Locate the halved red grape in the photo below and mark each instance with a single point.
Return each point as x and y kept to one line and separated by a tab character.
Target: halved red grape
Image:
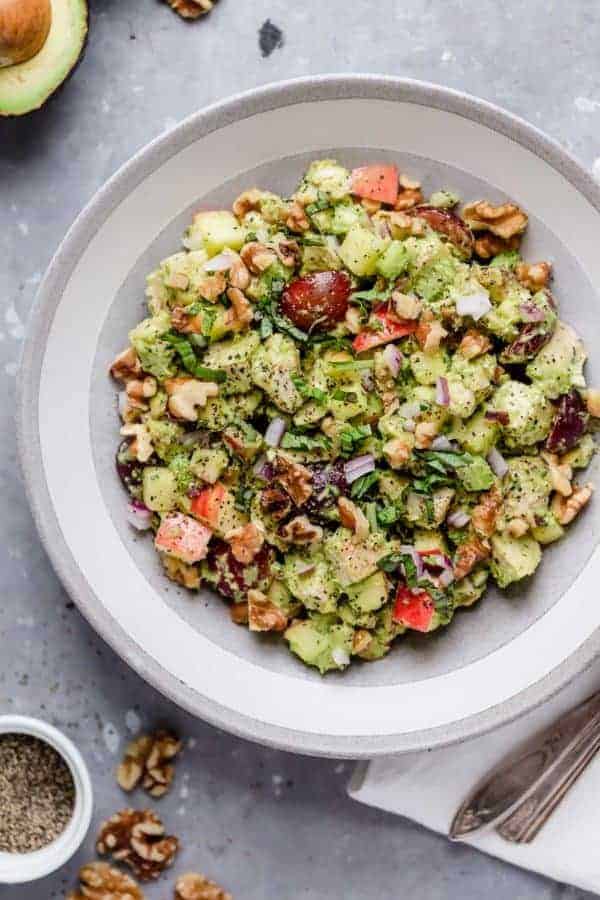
317	302
447	223
570	423
528	344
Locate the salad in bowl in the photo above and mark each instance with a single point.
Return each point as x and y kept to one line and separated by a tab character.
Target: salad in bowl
348	409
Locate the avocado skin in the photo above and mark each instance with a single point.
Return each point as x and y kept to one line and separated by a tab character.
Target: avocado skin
88	17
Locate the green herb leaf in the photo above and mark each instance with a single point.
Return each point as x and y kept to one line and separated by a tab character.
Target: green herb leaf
294	441
190	361
363	485
353	435
307	391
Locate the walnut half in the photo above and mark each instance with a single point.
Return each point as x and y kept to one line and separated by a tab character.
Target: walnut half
137	838
191	9
194	886
99	881
148	759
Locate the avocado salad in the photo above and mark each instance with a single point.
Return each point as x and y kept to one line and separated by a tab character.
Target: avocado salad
349	409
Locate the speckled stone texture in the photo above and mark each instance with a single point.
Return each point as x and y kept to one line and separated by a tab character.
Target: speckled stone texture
267	825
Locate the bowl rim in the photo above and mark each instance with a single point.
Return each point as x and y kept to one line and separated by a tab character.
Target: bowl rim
28	867
212	118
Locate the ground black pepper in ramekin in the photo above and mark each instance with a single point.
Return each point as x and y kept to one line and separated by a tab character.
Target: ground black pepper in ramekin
37	793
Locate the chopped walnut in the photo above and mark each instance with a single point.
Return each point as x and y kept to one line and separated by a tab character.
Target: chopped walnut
186	394
126	366
468	555
568	508
409	184
353	320
505	221
371	206
141	446
592	401
397	452
406	307
99	881
353	518
474	343
240	315
186	575
247	202
297	220
430	333
534	276
561	474
211	287
239	276
238	613
410	193
263	615
361	640
485	515
487	244
301	530
257	257
294	477
191	9
399	225
147	760
182	321
137	838
275	503
138	391
289	253
246	541
194	886
179	281
425	432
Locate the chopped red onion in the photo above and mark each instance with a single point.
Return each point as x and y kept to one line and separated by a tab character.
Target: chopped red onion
532	313
123	403
498	415
393	357
139	516
359	466
366	379
458	519
333	243
442	443
497	462
261	466
220	263
475	305
416	558
275	432
446	578
442	392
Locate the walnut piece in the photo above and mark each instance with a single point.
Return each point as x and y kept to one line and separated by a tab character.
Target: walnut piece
301	530
505	221
191	9
425	432
485	515
410	194
353	321
473	344
141	446
592	401
126	366
534	276
246	541
248	201
239	276
561	474
99	881
468	555
147	760
566	509
294	477
241	314
186	575
257	257
487	244
137	838
275	503
353	518
297	220
194	886
183	322
397	452
140	390
289	253
211	287
430	333
518	527
238	612
361	640
263	615
186	394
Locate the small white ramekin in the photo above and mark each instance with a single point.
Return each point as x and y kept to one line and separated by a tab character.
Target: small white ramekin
18	868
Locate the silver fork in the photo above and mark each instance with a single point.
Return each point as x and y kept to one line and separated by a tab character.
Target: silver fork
523	792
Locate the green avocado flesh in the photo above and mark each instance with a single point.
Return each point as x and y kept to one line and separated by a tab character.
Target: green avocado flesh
27	86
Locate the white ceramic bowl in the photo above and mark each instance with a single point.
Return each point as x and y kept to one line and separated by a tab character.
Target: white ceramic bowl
496	660
18	868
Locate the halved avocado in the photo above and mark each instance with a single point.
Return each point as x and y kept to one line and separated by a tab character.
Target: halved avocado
27	86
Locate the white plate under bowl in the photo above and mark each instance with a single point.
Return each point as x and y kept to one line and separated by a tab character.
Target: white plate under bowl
498	659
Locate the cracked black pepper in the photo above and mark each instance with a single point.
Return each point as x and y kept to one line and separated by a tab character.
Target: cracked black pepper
37	794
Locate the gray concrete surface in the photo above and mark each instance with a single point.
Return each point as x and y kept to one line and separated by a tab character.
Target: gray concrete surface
269	826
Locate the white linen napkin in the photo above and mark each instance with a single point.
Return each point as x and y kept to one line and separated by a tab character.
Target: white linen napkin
428	787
